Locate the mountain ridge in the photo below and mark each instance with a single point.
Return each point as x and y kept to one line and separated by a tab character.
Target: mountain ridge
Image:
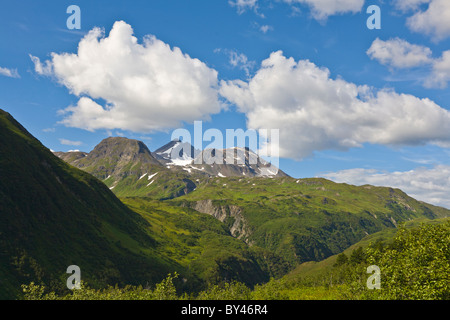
173	155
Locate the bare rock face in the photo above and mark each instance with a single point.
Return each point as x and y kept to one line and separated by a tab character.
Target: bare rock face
229	214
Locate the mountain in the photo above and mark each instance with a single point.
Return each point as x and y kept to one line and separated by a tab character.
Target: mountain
176	153
214	162
128	168
304	219
234	162
243	228
114	157
53	215
300	219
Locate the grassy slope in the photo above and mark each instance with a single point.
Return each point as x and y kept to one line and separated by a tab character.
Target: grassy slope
203	244
311	219
53	215
299	219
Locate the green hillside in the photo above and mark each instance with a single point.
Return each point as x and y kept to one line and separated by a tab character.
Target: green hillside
209	230
317	269
204	245
53	215
305	219
414	264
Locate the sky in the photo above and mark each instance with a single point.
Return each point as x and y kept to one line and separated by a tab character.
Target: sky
352	104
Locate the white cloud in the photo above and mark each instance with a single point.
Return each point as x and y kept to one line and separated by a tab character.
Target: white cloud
322	9
433	21
407	5
243	5
148	86
265	28
399	53
12	73
241	61
431	185
42	68
70	142
315	112
440	75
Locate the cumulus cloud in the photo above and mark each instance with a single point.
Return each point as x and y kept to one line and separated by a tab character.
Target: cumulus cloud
322	9
431	185
144	87
399	53
434	20
440	75
315	112
11	73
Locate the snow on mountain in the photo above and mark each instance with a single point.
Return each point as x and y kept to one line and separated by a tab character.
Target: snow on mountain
176	153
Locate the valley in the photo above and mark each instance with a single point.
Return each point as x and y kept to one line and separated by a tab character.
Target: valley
129	216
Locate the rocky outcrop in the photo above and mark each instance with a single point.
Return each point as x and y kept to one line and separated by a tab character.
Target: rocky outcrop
231	215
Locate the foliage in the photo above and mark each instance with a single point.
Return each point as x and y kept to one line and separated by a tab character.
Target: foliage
415	266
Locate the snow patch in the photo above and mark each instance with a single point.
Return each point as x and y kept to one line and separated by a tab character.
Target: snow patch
143	176
200	169
151	176
182	161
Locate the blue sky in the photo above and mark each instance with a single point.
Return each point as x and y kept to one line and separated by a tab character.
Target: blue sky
275	49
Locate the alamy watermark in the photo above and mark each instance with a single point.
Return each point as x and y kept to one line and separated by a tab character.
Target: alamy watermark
74	20
74	281
374	281
374	21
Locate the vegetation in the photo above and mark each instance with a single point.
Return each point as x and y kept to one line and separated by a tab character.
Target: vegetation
53	215
231	238
414	265
308	219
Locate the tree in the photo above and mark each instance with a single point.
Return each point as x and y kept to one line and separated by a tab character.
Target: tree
415	266
341	260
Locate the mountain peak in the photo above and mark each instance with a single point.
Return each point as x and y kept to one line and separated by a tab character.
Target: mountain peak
176	153
114	157
123	148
